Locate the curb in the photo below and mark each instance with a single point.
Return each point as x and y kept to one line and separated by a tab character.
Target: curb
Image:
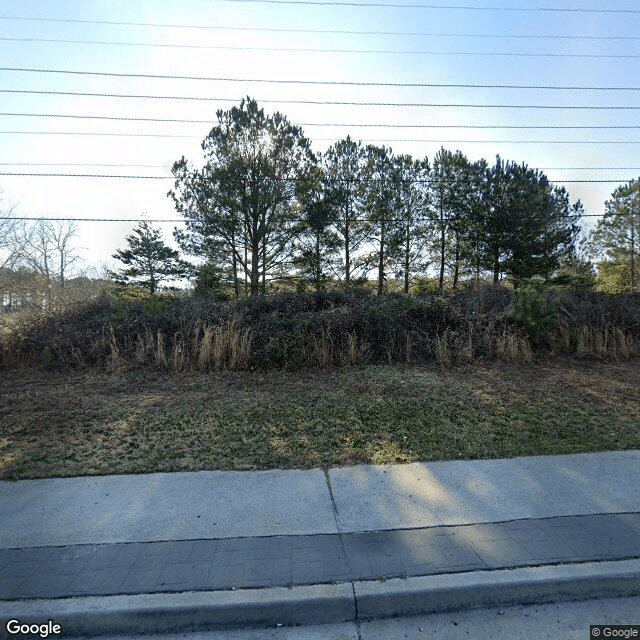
479	589
327	603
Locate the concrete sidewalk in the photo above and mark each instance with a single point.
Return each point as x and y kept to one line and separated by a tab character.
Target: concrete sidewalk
163	552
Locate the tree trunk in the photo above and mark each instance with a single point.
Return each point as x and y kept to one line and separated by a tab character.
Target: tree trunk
264	266
318	269
442	249
61	270
407	248
496	267
347	258
255	266
456	271
152	275
246	257
632	252
236	290
381	261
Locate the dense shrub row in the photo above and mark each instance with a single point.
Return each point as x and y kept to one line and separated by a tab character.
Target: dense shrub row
334	328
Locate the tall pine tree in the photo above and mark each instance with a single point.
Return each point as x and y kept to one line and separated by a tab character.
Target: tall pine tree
617	235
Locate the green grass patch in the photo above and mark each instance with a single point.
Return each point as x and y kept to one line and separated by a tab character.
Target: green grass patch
85	423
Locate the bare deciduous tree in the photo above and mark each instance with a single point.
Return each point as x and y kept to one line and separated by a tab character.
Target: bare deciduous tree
46	249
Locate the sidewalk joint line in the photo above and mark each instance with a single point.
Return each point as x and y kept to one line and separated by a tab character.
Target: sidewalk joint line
350	580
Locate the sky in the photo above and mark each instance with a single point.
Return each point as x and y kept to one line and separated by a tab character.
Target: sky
431	42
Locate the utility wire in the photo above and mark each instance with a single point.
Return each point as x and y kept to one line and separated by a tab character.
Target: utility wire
493	36
215	99
99	133
162	166
119	177
385	140
173	221
324	50
365	5
363	124
90	219
92	164
313	82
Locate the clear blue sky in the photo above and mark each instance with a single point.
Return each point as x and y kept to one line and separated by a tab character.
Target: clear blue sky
451	50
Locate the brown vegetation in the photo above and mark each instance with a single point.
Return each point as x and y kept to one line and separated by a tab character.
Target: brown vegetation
337	328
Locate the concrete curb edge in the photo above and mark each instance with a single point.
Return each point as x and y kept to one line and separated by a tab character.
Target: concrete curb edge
326	603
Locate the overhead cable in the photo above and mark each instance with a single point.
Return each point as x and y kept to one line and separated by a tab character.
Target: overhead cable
217	99
218	27
179	220
311	82
164	166
414	52
444	7
119	177
385	140
364	124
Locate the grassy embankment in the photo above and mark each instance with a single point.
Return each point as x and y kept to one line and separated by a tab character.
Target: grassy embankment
118	388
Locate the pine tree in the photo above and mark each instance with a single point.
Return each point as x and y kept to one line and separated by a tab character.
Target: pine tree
409	238
617	234
148	259
527	224
240	208
318	244
344	165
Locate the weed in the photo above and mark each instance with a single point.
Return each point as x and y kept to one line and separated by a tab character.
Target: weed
333	328
443	352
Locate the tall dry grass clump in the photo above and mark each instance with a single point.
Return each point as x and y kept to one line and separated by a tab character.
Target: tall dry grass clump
442	351
605	343
323	349
226	346
513	348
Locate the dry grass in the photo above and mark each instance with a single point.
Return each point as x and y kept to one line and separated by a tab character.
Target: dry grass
513	348
606	343
224	347
83	423
296	331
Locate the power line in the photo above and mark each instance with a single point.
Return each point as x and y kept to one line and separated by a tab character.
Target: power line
316	102
325	50
313	82
99	133
363	124
84	164
162	166
364	5
339	124
385	140
493	36
216	99
82	175
89	219
173	221
119	177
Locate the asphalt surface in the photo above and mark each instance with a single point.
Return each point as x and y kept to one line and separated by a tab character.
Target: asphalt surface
156	552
